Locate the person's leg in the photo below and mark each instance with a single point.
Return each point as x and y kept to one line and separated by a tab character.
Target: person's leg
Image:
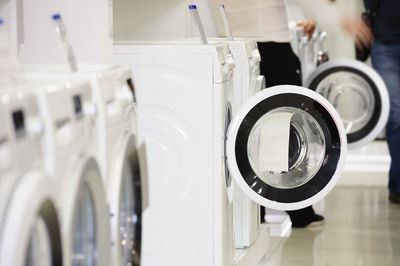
386	61
281	66
305	218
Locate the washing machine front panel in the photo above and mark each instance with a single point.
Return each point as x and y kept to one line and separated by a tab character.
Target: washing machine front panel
316	148
85	216
359	95
31	231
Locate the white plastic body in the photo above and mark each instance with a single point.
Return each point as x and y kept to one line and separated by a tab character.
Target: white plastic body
115	129
181	94
246	77
69	156
24	187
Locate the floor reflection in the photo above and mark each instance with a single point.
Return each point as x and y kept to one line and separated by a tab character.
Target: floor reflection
362	228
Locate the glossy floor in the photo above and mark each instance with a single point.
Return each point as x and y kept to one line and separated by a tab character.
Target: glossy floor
362	228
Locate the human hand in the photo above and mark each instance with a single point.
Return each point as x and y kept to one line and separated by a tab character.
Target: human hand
308	27
359	31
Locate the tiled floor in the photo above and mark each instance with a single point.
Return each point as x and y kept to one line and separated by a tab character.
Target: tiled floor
361	228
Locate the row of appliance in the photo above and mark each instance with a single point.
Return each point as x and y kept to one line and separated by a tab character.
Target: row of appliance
283	146
311	50
71	178
84	154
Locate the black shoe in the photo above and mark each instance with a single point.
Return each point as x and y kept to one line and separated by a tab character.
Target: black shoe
394	198
313	221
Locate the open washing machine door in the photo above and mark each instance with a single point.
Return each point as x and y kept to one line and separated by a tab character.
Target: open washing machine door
315	146
85	227
359	95
30	232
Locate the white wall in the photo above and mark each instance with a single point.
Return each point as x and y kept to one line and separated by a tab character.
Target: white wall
159	19
90	25
86	21
11	11
151	19
207	17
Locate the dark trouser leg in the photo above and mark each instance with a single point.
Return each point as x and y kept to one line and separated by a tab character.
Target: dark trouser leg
281	66
386	60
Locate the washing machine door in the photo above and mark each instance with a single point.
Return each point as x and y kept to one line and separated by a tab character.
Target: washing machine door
125	200
85	216
286	147
359	95
30	233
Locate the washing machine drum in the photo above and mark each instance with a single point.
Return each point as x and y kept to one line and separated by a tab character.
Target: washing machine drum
359	95
286	147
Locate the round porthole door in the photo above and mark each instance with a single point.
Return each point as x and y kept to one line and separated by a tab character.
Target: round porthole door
125	201
359	95
30	232
85	215
228	177
286	147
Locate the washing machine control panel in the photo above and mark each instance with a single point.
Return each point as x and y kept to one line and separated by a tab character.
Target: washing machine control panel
18	118
254	56
70	110
21	109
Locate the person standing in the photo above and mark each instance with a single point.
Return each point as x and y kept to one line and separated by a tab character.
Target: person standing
385	56
266	22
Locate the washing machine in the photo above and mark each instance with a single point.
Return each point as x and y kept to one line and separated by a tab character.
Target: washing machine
247	81
189	218
359	95
118	151
29	225
124	170
183	116
69	159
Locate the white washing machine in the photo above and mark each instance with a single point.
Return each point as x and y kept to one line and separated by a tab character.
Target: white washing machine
311	52
29	226
189	219
69	116
247	81
124	171
181	92
118	151
359	95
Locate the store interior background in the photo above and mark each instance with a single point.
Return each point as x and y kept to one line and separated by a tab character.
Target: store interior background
107	21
